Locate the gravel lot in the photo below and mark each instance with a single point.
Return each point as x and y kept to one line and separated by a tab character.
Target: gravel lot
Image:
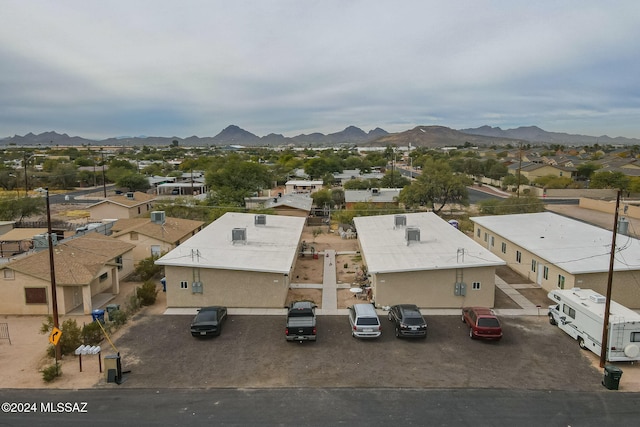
252	353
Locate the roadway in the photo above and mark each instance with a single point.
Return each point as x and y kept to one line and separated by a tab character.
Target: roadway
318	407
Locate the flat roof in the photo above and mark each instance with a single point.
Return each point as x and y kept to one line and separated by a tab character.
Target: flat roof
574	246
268	248
441	245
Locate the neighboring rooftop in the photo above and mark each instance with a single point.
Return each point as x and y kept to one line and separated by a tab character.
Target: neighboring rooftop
440	245
572	245
171	231
271	247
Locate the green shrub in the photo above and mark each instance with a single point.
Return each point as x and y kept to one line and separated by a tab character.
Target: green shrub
70	339
147	269
50	373
92	334
118	317
147	293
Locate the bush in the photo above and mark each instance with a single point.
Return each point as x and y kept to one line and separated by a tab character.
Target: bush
119	317
147	293
71	336
92	334
147	269
50	373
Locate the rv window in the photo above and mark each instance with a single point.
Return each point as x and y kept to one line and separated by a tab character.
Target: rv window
635	336
569	311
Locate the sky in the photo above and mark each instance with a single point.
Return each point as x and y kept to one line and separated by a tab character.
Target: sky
182	68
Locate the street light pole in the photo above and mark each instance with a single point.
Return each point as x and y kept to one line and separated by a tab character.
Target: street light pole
104	183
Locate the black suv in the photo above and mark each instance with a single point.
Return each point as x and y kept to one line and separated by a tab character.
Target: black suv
408	321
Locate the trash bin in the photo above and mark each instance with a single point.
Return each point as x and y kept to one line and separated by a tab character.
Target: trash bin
110	309
612	375
97	315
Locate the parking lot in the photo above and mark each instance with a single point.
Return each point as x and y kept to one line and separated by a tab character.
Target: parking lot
253	353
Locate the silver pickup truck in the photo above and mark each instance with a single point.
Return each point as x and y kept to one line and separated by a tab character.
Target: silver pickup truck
301	321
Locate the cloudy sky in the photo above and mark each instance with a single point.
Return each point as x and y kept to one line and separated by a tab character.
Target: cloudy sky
182	68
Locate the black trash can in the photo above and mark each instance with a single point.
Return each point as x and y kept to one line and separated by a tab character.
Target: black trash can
97	315
110	309
612	375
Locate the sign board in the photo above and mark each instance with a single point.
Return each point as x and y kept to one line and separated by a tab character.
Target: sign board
54	338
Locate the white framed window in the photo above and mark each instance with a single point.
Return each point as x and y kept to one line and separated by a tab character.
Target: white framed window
504	248
8	273
155	250
492	241
545	272
475	286
560	281
534	265
519	256
184	284
479	232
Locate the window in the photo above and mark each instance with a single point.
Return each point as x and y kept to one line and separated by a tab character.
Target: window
569	311
478	232
133	235
492	241
475	286
534	265
519	256
155	250
104	277
184	284
138	210
635	336
35	295
486	237
545	272
119	262
8	273
560	281
504	248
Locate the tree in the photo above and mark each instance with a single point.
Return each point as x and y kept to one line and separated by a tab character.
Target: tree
322	198
64	175
616	180
436	187
553	181
394	179
232	179
134	182
15	209
585	170
512	205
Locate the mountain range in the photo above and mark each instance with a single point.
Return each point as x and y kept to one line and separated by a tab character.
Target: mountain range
420	136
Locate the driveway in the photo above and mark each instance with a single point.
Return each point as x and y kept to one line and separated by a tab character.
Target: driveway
252	353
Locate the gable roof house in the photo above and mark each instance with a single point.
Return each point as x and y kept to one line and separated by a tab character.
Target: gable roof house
129	205
156	235
382	196
557	252
85	267
420	258
239	260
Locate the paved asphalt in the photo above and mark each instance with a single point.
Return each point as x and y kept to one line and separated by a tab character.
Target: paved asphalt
319	407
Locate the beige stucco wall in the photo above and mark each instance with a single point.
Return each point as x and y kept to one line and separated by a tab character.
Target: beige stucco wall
435	288
111	210
13	296
609	206
230	288
625	288
143	245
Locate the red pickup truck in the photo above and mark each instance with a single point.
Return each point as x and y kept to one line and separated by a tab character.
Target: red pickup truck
483	323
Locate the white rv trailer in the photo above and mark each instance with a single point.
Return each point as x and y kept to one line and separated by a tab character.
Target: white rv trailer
580	313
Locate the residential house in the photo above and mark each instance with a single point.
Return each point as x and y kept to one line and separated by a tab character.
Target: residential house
422	259
156	235
84	267
239	260
557	252
129	205
379	196
302	186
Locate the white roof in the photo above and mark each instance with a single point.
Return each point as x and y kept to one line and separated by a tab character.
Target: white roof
268	248
441	245
574	246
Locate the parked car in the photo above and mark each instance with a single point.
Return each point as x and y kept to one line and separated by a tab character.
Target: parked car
208	321
483	323
301	322
408	321
364	321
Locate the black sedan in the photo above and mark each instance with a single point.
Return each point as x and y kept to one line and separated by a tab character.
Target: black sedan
208	321
408	321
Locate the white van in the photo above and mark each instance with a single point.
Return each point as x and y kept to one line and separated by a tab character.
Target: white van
364	321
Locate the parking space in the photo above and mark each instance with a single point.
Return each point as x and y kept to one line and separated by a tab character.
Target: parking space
252	352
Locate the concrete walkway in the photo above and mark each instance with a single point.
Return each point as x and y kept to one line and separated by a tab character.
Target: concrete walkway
329	284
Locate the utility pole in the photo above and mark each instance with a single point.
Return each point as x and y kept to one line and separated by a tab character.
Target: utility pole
52	272
104	182
607	305
26	178
519	169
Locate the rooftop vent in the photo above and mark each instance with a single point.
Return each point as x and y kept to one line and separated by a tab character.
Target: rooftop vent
375	191
597	298
157	217
260	220
400	221
412	234
239	235
130	195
